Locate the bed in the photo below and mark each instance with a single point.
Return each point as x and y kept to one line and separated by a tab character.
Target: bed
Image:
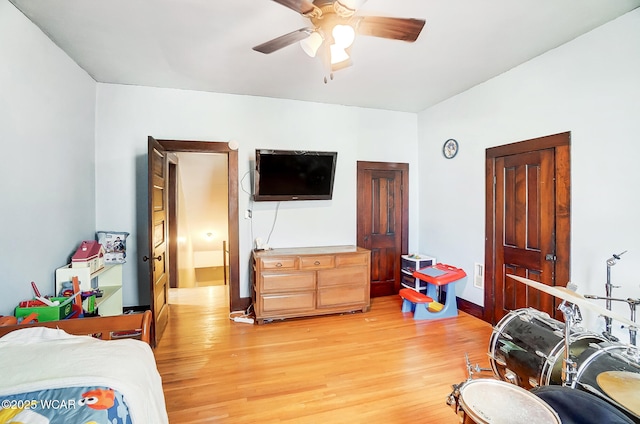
89	370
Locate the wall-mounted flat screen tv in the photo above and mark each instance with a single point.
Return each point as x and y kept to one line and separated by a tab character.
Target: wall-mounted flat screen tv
294	175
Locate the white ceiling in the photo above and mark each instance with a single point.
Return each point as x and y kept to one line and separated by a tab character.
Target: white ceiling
207	45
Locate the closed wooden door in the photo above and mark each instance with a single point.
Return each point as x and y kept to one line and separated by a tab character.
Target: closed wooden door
382	221
158	231
527	225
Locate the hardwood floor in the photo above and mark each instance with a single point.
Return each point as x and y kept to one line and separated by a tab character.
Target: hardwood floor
374	367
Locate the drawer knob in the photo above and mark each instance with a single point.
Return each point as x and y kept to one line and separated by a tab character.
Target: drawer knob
316	263
278	265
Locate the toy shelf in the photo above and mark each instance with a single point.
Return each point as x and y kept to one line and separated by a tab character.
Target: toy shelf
411	263
108	279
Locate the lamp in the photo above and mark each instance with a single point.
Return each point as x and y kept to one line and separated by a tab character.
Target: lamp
312	43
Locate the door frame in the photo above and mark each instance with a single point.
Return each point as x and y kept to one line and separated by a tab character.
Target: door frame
235	301
561	143
403	168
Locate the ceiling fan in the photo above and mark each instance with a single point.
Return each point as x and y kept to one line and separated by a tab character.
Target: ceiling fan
334	26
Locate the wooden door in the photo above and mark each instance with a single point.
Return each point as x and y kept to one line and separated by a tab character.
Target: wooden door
527	224
158	222
383	221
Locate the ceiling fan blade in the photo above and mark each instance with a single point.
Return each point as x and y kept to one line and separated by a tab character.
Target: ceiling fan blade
405	29
300	6
352	4
283	41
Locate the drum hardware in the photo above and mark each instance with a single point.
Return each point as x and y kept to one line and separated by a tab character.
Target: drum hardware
572	316
633	303
608	287
471	369
452	399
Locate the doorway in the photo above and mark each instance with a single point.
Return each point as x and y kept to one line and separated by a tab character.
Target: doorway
528	198
383	221
217	257
198	220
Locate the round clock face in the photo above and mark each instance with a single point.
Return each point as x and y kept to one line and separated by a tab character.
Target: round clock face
450	148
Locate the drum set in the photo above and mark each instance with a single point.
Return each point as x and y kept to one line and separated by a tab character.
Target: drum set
549	371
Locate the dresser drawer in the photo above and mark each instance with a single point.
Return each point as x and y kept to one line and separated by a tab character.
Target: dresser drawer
288	281
279	263
342	276
288	302
350	295
315	262
355	259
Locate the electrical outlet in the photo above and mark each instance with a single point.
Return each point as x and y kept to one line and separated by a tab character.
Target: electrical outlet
245	320
478	275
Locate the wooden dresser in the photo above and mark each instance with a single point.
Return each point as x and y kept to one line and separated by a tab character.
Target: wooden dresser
309	281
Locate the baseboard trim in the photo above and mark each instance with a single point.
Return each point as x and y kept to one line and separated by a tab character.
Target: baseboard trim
470	308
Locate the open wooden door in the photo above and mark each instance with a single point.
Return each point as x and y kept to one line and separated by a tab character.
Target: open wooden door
158	219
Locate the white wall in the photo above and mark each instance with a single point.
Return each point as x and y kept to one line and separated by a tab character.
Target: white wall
127	115
591	87
47	109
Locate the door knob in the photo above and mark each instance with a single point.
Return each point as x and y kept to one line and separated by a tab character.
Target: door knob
146	258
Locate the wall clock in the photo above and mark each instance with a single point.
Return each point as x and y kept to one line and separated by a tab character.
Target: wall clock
450	148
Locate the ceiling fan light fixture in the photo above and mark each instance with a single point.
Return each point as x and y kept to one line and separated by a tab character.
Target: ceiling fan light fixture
343	35
338	54
312	43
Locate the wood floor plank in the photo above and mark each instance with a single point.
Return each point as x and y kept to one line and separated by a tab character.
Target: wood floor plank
376	367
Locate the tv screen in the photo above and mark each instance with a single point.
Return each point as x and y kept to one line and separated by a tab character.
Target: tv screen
294	175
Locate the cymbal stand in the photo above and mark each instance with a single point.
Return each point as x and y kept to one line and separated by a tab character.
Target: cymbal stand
572	316
633	303
608	293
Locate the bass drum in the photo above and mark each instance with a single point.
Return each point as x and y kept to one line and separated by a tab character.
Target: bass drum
527	348
607	370
578	407
485	401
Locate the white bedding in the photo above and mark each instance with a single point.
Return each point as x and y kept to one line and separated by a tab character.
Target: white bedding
43	358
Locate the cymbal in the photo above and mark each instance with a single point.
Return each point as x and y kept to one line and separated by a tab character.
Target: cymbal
623	387
573	297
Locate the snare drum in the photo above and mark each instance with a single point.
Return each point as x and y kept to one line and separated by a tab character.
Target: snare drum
601	359
485	401
527	348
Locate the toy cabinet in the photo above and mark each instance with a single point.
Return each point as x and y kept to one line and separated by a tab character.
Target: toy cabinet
108	279
414	262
